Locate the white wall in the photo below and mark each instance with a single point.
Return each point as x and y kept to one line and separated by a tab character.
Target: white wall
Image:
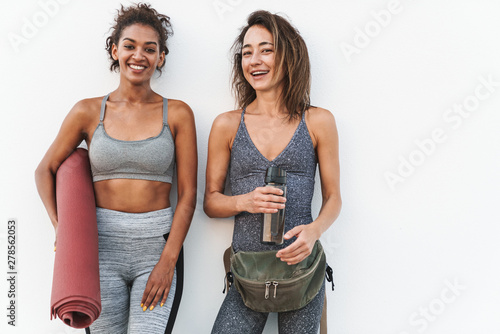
420	256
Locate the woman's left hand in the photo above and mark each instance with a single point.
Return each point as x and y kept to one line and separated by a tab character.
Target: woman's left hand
158	286
300	248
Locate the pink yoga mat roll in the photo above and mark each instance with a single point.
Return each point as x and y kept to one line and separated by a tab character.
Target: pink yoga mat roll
76	295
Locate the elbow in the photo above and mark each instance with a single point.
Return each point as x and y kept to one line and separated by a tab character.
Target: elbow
209	213
208	207
37	174
40	172
338	200
333	200
338	205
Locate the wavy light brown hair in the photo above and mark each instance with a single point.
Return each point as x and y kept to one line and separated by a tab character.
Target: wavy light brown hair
140	13
291	59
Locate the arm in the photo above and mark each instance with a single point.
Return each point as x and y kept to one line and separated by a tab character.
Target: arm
72	132
324	134
182	124
216	203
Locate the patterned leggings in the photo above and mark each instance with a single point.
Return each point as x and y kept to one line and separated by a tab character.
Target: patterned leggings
130	245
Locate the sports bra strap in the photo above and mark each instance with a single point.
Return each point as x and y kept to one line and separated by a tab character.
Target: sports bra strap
103	107
165	111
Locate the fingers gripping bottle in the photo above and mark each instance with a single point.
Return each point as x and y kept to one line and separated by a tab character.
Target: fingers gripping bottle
273	224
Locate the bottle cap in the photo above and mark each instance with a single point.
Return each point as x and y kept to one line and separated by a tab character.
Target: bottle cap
276	175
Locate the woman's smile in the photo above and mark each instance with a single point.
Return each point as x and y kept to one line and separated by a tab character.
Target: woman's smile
137	52
258	59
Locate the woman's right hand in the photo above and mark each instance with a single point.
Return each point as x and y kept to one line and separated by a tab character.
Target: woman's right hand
262	200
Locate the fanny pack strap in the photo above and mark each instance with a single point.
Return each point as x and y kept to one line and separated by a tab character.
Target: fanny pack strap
229	280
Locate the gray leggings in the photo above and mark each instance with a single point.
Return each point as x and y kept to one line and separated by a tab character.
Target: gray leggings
235	317
130	245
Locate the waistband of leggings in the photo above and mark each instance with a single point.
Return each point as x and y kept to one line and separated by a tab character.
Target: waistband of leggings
130	224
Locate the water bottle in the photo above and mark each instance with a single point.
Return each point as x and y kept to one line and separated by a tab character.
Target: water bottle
273	224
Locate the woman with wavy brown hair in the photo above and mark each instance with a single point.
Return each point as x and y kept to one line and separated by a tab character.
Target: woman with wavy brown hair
135	137
275	127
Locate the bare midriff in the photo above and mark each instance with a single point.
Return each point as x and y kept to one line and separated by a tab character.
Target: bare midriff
131	195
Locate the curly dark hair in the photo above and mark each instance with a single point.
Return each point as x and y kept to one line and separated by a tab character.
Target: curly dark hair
292	60
141	13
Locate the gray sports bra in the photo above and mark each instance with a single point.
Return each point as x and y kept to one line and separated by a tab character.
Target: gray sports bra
148	159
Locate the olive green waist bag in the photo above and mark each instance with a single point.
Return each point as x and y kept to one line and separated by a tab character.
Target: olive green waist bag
268	284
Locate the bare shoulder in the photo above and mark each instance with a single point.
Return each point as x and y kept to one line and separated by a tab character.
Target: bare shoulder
320	123
224	129
85	113
227	121
317	116
88	106
178	107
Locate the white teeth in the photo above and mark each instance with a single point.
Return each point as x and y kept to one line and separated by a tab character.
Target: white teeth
260	72
136	67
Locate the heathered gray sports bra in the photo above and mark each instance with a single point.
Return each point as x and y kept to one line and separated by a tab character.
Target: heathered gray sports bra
150	159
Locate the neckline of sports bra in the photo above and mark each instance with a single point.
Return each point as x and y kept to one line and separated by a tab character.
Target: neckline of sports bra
103	112
132	141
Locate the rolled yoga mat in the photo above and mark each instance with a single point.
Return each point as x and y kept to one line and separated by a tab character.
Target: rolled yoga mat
76	295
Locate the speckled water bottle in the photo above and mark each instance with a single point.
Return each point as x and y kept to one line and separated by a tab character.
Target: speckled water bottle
273	224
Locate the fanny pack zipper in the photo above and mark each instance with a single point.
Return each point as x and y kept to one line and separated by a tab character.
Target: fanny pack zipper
276	283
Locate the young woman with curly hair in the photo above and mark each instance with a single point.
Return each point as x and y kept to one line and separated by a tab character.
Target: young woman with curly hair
135	138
